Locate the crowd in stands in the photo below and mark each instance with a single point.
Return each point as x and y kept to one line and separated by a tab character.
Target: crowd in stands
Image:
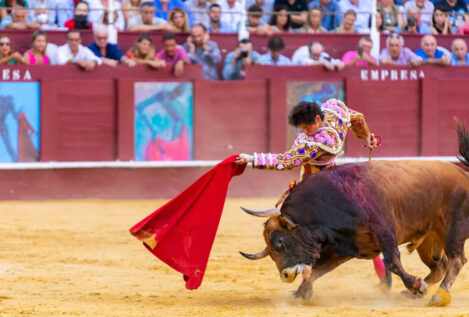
264	17
201	17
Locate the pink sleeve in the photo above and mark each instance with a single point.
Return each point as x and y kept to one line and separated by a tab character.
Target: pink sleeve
183	54
160	54
349	56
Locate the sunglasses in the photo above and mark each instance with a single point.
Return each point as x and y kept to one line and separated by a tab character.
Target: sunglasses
5	44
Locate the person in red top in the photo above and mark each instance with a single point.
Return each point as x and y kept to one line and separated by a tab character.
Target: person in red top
80	17
173	54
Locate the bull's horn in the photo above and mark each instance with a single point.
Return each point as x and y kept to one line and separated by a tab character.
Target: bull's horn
256	256
264	213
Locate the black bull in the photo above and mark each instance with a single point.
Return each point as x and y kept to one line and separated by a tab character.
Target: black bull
359	210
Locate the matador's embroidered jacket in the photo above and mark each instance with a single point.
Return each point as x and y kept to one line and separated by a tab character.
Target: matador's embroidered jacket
320	150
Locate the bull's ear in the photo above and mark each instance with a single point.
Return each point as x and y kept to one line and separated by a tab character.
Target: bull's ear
286	222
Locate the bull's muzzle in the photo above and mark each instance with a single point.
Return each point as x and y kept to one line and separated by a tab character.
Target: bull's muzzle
289	274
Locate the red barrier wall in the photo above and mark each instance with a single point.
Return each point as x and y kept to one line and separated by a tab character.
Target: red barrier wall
412	110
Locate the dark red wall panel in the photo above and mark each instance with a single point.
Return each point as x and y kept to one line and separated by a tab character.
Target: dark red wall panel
233	120
86	120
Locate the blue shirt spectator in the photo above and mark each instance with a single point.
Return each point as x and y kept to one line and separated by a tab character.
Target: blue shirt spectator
329	21
237	59
215	23
222	28
162	12
456	62
267	59
438	54
112	51
459	56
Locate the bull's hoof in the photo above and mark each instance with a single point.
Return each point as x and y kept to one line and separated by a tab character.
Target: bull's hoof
422	290
305	291
441	298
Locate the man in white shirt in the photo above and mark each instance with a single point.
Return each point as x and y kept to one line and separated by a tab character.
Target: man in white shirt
313	54
74	53
426	10
231	12
362	8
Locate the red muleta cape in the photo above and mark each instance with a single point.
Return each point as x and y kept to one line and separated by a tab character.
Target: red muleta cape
181	232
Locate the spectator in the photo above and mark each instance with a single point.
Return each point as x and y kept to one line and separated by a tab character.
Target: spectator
298	11
280	20
413	24
74	53
110	54
396	54
178	20
379	22
143	52
348	22
313	54
42	17
330	13
459	55
203	51
36	55
453	6
426	8
42	4
7	55
147	21
430	53
253	22
236	60
391	15
267	7
273	57
231	12
216	25
362	55
7	5
80	18
199	10
63	12
173	54
163	7
17	20
362	11
130	9
98	9
440	21
313	22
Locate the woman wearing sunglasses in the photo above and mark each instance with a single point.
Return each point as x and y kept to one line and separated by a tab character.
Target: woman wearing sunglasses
7	56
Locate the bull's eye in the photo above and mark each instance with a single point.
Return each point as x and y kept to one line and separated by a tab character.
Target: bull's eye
279	243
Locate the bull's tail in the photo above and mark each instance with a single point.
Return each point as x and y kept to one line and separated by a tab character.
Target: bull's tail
463	141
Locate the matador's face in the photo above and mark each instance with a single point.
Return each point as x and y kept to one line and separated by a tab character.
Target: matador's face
311	129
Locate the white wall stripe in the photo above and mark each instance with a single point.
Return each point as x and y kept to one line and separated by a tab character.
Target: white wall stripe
173	164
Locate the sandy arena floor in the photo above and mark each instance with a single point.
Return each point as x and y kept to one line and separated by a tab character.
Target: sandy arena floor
76	258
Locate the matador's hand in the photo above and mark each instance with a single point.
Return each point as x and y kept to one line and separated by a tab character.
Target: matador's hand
371	142
244	158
